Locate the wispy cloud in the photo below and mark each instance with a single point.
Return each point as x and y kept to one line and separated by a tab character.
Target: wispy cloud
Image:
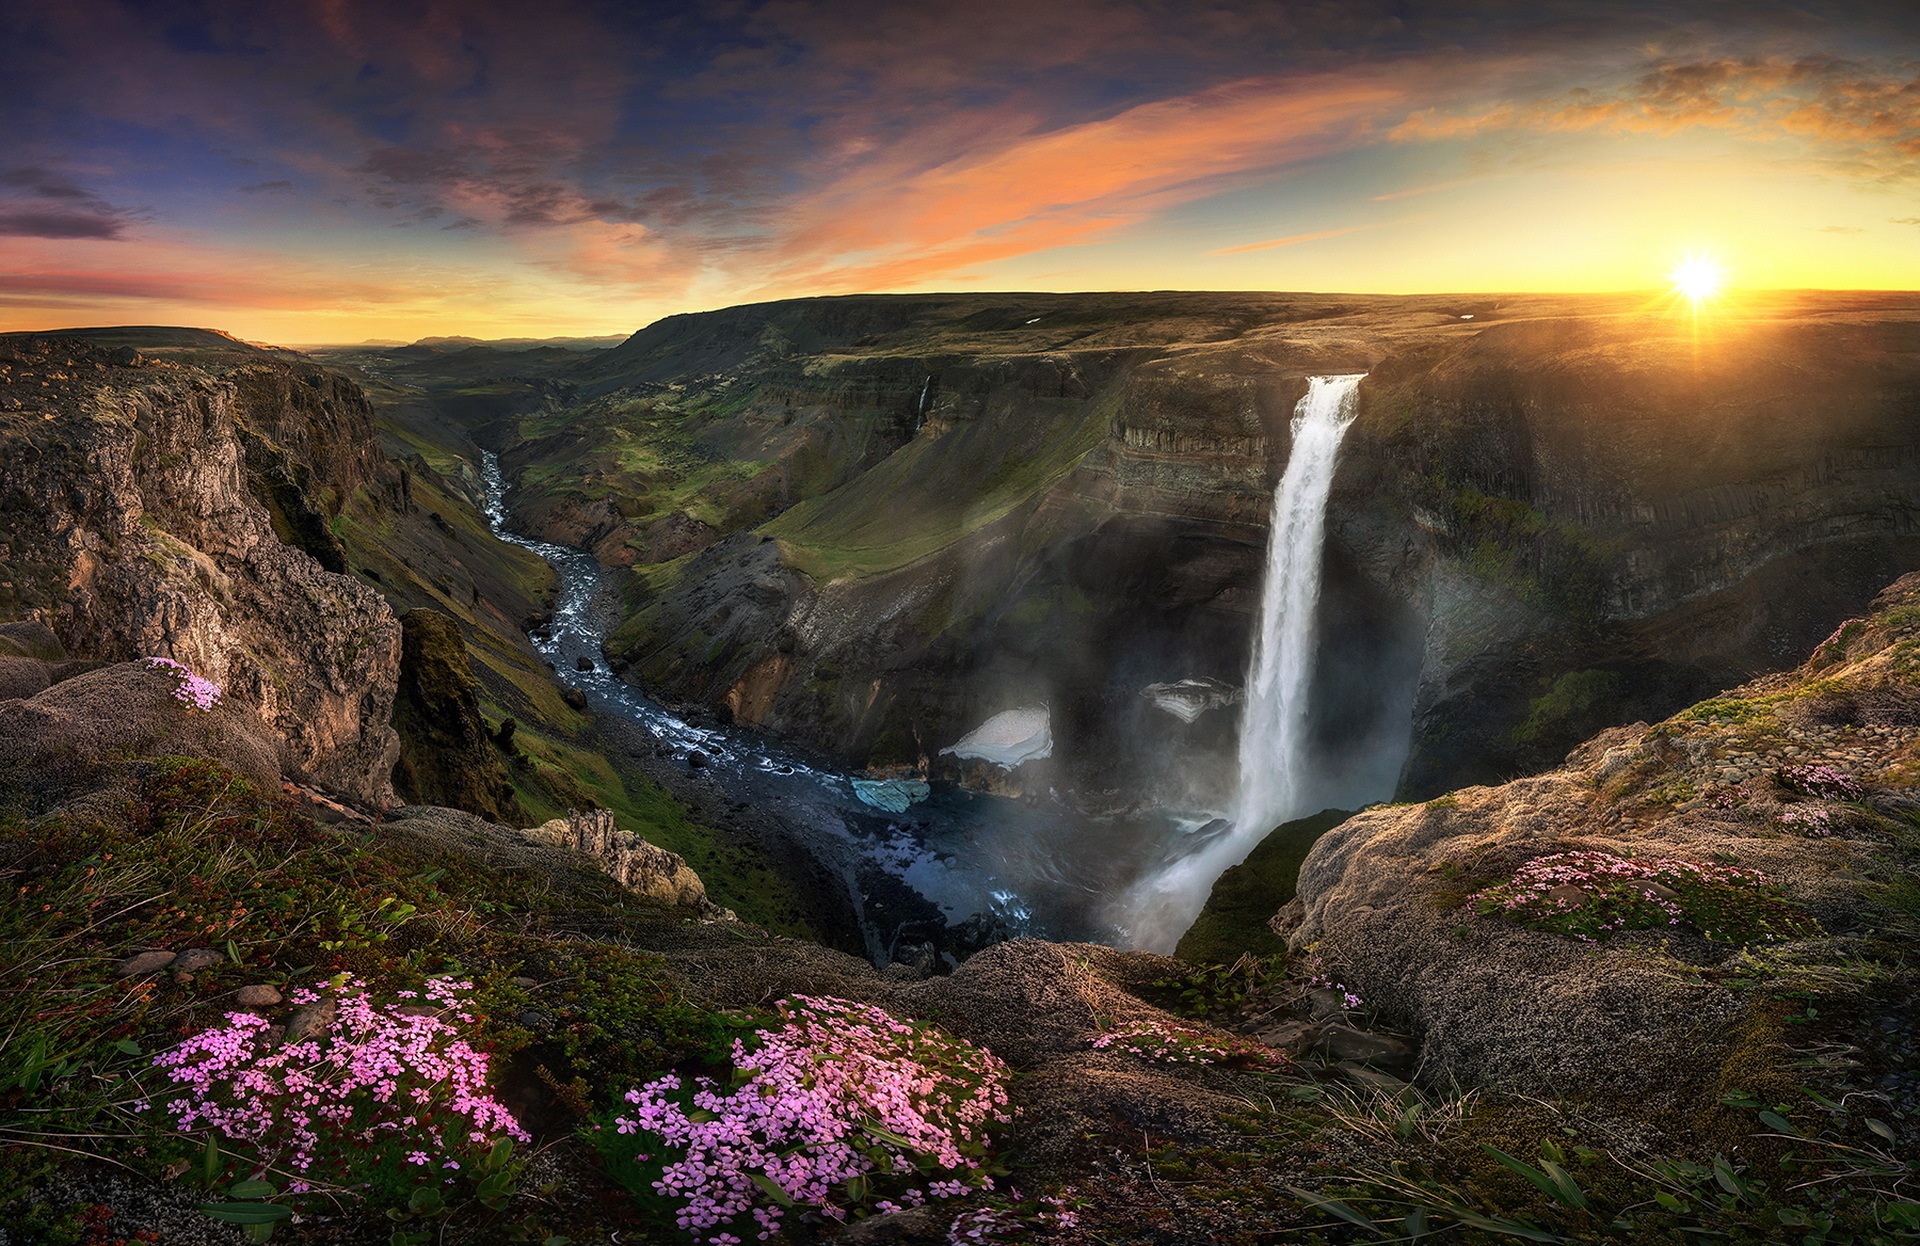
1855	116
38	202
1291	240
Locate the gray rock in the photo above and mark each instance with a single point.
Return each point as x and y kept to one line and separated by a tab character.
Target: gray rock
312	1020
1346	1043
908	1225
197	958
257	996
145	962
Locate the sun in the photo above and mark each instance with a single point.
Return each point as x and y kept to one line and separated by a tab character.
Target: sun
1698	278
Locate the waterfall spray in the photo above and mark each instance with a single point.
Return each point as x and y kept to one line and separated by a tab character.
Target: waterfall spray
1274	761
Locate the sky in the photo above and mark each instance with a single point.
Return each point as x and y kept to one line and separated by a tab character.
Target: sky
308	171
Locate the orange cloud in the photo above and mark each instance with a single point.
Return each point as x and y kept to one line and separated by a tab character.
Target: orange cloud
882	225
1270	244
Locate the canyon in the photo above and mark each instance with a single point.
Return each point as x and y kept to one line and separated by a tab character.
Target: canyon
835	537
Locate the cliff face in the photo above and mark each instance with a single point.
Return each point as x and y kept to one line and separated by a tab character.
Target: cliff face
1602	518
132	520
1551	513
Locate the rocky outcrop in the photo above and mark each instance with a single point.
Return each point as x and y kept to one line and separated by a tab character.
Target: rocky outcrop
1803	778
69	746
558	853
447	755
642	868
129	523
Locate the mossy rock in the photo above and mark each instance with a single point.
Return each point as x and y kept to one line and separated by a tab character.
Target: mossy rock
1234	920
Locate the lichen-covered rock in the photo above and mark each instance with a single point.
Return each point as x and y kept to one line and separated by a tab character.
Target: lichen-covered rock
1747	779
642	868
128	519
72	740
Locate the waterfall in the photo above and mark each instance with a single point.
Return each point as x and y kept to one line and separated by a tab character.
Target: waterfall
1273	728
920	407
1275	765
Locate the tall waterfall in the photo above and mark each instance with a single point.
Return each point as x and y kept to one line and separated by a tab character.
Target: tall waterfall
1275	767
1273	728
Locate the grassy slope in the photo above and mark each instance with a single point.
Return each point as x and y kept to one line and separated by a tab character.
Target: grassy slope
457	566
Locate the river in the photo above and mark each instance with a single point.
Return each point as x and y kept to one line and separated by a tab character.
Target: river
993	868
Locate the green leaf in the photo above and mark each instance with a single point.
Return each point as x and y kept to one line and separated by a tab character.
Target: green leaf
127	1046
779	1196
1566	1189
1667	1200
1778	1123
247	1213
233	953
1416	1223
1500	1224
1538	1178
1882	1128
887	1136
1334	1207
210	1164
253	1189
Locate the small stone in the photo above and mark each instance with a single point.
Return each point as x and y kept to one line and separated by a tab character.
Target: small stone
182	978
311	1020
696	760
257	996
524	984
1647	887
1370	1077
420	1010
145	962
1292	1037
197	958
1327	1002
1569	895
583	663
576	698
1346	1043
908	1225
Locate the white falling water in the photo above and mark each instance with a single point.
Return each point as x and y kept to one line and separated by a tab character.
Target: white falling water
1274	763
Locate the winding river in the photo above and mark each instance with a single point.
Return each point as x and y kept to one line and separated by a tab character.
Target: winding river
994	868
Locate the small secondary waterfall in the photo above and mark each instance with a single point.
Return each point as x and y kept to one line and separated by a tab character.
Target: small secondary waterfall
1274	761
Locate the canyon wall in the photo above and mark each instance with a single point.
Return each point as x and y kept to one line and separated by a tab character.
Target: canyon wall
870	523
177	501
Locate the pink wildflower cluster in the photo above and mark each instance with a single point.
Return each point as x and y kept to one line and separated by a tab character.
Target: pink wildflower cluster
1822	781
1590	895
840	1096
1814	820
197	693
1170	1042
1004	1226
376	1076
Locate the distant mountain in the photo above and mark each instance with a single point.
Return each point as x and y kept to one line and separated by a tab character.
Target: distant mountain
522	343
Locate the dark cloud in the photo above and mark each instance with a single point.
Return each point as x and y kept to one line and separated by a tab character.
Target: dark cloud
37	202
267	188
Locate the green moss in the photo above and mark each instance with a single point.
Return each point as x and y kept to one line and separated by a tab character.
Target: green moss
1234	920
1576	703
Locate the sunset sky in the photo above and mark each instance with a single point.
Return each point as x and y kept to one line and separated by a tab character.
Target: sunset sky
306	171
